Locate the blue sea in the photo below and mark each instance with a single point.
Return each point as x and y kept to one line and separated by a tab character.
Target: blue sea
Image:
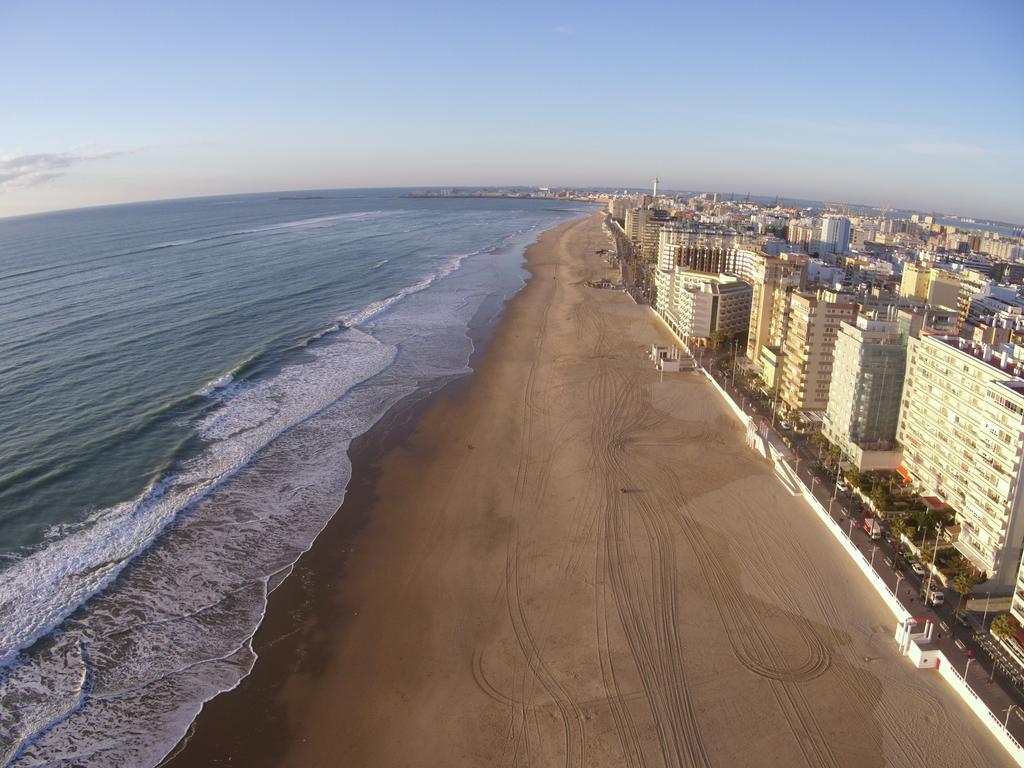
179	385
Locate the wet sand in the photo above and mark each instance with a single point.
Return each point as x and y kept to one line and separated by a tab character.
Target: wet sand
564	562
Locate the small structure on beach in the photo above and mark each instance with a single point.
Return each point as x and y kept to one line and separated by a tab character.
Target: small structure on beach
671	358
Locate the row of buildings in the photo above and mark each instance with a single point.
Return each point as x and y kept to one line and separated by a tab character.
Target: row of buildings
910	362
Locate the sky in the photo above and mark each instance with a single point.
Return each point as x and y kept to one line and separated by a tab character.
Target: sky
908	104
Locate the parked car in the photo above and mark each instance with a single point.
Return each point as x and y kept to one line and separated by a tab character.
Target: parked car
962	620
843	486
936	598
919	569
785	425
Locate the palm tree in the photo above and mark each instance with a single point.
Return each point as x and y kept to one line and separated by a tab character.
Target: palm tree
899	527
964	583
1004	626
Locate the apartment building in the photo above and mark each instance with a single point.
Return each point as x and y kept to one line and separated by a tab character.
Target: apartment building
866	390
961	428
808	347
925	282
696	305
772	279
833	235
699	248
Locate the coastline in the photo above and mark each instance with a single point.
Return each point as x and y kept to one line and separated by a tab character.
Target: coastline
568	560
297	628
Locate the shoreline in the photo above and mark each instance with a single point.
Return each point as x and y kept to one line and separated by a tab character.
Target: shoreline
290	608
571	560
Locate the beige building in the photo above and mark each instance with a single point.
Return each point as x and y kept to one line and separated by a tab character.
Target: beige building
962	432
773	278
925	282
808	348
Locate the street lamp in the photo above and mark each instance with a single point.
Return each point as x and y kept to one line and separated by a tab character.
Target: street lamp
967	667
850	533
873	550
1006	723
931	571
814	479
988	597
899	576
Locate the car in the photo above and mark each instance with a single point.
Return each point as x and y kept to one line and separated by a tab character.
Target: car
919	569
843	486
937	598
785	425
889	561
962	620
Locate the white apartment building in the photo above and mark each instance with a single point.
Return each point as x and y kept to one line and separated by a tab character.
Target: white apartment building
696	305
865	392
962	432
834	235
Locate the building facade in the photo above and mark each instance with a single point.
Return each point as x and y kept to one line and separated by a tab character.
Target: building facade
833	236
696	305
772	279
866	390
962	432
808	347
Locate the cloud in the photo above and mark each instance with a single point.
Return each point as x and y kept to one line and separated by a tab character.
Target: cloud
31	170
948	150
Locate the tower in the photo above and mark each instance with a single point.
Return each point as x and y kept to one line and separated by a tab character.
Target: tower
655	186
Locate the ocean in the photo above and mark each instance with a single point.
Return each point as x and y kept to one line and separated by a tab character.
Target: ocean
179	385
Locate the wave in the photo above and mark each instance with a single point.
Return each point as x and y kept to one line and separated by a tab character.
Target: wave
282	226
165	628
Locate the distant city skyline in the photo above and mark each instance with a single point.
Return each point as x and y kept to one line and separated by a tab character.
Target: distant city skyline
120	103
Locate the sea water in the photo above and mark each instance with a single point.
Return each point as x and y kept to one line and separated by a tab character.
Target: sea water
179	385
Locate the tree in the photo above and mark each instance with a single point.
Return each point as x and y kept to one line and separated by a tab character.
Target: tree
964	583
1004	626
717	337
899	527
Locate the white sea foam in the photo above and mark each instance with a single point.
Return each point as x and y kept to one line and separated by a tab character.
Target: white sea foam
119	682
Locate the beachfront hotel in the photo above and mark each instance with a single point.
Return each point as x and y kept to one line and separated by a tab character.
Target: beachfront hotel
961	428
864	397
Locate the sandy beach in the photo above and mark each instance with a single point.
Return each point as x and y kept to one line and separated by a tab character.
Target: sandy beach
563	561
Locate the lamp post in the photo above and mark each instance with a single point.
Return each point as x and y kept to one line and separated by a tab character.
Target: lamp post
873	550
967	666
839	469
899	576
988	597
814	479
931	571
849	533
1006	722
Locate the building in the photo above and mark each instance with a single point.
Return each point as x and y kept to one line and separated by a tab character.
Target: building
809	345
833	236
962	432
925	282
699	248
866	390
696	305
772	278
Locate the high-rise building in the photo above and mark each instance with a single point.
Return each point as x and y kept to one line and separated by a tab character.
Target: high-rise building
696	304
864	397
772	278
809	344
834	235
962	432
699	248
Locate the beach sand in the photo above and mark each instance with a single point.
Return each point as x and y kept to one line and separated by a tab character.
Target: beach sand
564	561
